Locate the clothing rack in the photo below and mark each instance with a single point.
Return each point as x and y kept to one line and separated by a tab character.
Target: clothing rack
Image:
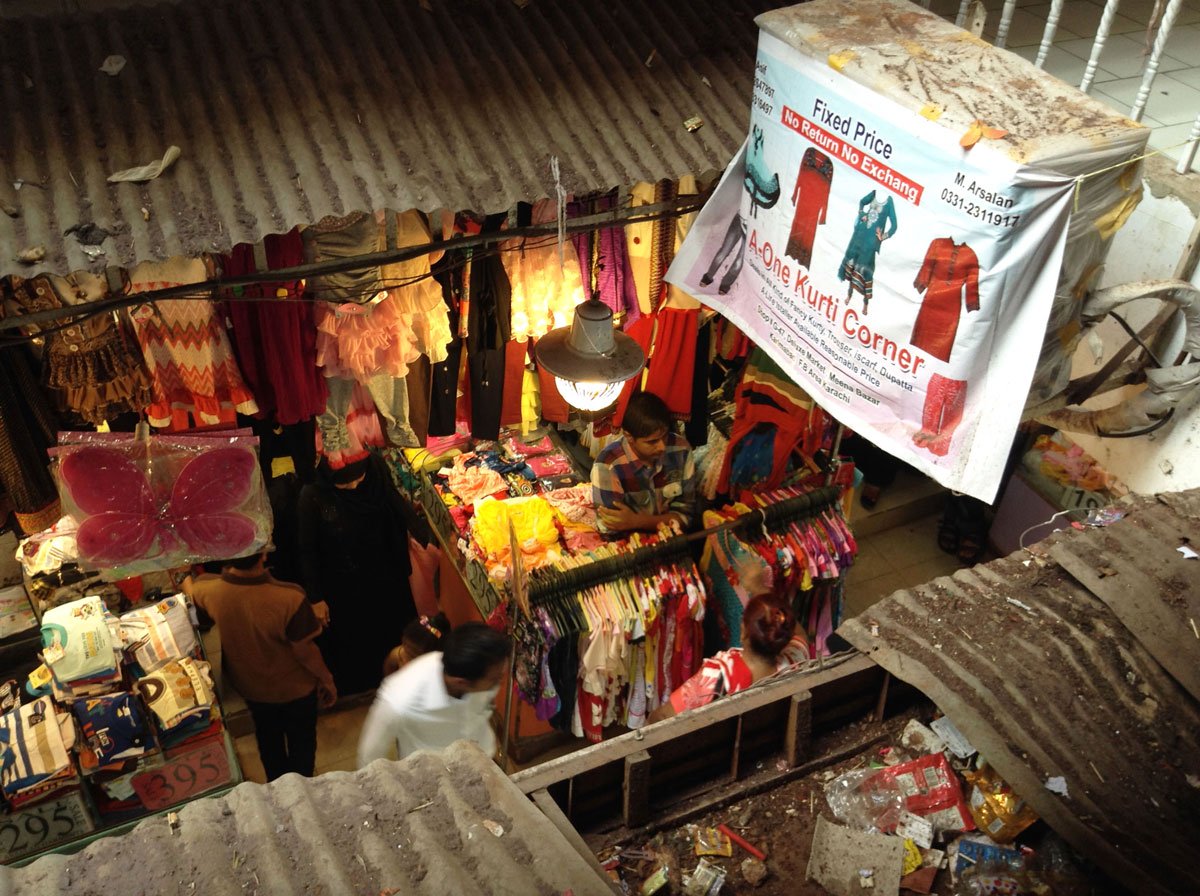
546	584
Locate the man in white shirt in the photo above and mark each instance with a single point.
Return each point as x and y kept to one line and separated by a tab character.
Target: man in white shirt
439	698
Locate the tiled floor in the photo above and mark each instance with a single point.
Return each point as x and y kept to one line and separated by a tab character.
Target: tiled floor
1174	99
337	744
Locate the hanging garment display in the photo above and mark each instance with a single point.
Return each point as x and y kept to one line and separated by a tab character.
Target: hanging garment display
773	418
876	222
93	365
802	561
604	258
449	272
187	352
411	286
487	333
949	276
335	238
546	284
163	502
516	357
673	359
640	331
27	429
275	337
610	653
811	199
420	392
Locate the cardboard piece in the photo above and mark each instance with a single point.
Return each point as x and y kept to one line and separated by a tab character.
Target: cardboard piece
840	854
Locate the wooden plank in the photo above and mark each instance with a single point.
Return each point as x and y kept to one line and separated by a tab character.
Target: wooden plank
544	801
798	736
564	767
736	757
1133	596
635	792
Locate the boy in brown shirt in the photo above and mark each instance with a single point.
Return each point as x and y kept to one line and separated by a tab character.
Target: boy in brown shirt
267	629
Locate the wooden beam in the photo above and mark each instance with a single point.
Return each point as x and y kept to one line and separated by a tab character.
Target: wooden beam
566	767
735	759
798	737
883	693
635	792
544	801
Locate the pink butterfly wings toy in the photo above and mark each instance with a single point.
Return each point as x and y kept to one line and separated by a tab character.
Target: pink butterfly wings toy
134	508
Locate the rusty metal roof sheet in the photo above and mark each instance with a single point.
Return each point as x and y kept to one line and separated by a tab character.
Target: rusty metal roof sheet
286	114
411	827
922	62
1046	678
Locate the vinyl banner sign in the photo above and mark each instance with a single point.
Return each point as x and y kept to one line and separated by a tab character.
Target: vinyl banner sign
904	281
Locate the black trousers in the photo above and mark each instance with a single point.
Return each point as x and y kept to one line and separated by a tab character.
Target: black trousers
286	735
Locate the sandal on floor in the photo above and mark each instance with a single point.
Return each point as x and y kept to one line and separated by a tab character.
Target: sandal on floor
970	548
947	537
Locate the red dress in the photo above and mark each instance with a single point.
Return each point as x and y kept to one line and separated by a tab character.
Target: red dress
811	198
276	341
949	269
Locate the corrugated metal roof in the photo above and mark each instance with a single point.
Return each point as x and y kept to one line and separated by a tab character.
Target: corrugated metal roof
411	827
1065	688
286	114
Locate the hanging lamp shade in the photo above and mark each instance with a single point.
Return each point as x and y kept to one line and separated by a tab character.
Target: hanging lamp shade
589	360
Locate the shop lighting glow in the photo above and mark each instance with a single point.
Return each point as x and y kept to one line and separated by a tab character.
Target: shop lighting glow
589	360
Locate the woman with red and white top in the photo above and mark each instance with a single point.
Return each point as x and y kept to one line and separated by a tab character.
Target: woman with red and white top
773	645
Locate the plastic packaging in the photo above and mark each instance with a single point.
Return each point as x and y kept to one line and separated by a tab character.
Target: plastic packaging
711	842
863	800
997	810
161	502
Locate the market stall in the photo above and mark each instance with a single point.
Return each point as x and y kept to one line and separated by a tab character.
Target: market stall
113	713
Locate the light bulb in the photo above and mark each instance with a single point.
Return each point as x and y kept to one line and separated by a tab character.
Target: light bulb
588	396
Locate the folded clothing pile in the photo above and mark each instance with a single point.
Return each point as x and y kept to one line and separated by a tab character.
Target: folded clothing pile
81	648
181	697
35	752
160	632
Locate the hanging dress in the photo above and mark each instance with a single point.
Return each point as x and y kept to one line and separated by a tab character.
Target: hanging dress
93	366
191	363
275	339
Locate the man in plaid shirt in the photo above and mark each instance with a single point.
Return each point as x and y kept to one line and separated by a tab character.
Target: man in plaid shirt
647	478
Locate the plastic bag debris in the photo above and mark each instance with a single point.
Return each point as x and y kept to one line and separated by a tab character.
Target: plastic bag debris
88	233
998	811
711	842
1057	784
921	739
754	871
112	65
143	173
706	880
655	881
956	743
861	802
931	790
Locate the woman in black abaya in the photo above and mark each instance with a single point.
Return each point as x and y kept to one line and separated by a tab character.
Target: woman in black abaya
353	539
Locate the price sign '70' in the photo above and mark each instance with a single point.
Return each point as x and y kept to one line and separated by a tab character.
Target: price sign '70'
183	777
